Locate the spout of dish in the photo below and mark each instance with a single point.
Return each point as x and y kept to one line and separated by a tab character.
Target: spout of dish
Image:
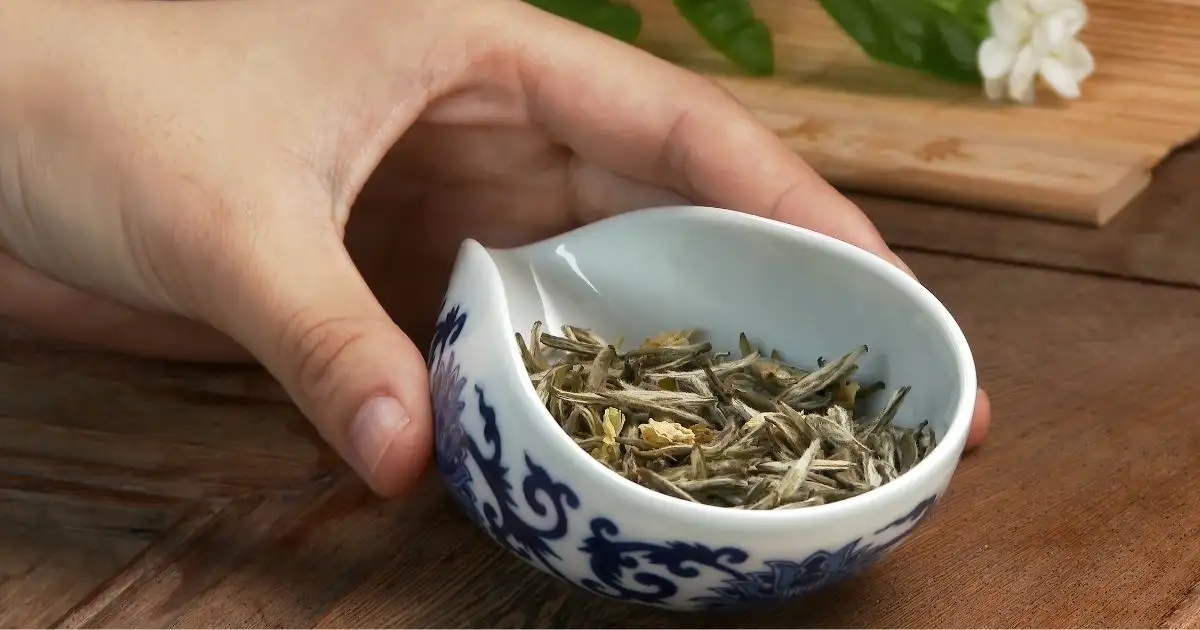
473	347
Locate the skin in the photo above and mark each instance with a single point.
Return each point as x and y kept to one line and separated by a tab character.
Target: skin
288	181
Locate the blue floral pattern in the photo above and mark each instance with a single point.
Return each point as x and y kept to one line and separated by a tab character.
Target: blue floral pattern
628	570
452	449
456	450
785	579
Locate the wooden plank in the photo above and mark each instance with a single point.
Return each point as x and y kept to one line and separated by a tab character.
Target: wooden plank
101	422
1078	183
40	356
126	457
283	563
163	551
1158	240
1083	484
56	549
871	127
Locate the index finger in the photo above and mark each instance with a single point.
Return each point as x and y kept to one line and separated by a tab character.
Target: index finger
648	119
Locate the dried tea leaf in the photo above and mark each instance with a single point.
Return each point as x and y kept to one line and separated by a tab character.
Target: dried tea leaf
874	479
599	372
809	502
570	345
833	431
594	423
630	465
748	433
736	468
759	488
715	484
699	466
755	400
906	451
794	441
582	335
823	377
796	475
817	465
925	440
745	346
672	451
725	438
658	482
889	410
631	400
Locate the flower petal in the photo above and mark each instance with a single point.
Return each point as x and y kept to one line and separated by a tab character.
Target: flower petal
1048	7
1010	20
995	57
1023	72
1078	58
1074	20
1050	33
1060	77
1078	21
1020	10
994	88
1024	94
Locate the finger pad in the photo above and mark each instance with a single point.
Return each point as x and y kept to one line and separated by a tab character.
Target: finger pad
981	420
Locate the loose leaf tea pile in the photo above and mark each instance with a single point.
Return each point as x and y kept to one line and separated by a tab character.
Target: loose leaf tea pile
752	432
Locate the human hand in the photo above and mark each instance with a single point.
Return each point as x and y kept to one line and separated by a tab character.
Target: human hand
290	180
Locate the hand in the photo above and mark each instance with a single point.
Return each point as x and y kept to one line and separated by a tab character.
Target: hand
177	180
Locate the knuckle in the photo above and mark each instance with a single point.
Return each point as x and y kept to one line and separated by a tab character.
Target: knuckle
321	347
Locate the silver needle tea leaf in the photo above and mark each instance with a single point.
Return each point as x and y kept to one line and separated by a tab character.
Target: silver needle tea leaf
752	433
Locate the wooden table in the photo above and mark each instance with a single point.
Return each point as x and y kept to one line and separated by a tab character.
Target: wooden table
144	494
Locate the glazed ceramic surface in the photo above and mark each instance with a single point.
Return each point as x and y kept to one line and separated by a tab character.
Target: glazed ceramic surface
527	484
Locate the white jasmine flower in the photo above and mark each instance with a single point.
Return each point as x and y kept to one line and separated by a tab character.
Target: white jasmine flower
1032	38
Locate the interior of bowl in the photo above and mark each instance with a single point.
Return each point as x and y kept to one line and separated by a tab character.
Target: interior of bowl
722	273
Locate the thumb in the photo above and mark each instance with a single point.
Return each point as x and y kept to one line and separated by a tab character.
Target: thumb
302	308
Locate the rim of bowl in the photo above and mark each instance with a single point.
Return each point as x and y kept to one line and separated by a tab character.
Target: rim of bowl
948	448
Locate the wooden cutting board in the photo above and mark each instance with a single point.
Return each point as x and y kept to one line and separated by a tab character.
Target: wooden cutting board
870	127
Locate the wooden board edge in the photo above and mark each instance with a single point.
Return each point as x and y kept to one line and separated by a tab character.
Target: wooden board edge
1093	204
1122	194
1082	183
1085	210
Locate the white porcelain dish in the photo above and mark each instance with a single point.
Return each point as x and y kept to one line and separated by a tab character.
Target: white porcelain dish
525	482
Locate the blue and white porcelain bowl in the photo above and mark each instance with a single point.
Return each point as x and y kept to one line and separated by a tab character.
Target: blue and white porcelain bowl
527	484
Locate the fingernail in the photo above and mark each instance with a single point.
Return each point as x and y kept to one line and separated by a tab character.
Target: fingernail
373	430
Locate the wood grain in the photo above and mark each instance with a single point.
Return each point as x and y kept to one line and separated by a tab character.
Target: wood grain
173	439
1157	240
1082	491
1187	614
871	127
56	548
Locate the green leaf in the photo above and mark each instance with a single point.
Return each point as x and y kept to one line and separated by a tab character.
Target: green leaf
938	37
616	19
731	27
